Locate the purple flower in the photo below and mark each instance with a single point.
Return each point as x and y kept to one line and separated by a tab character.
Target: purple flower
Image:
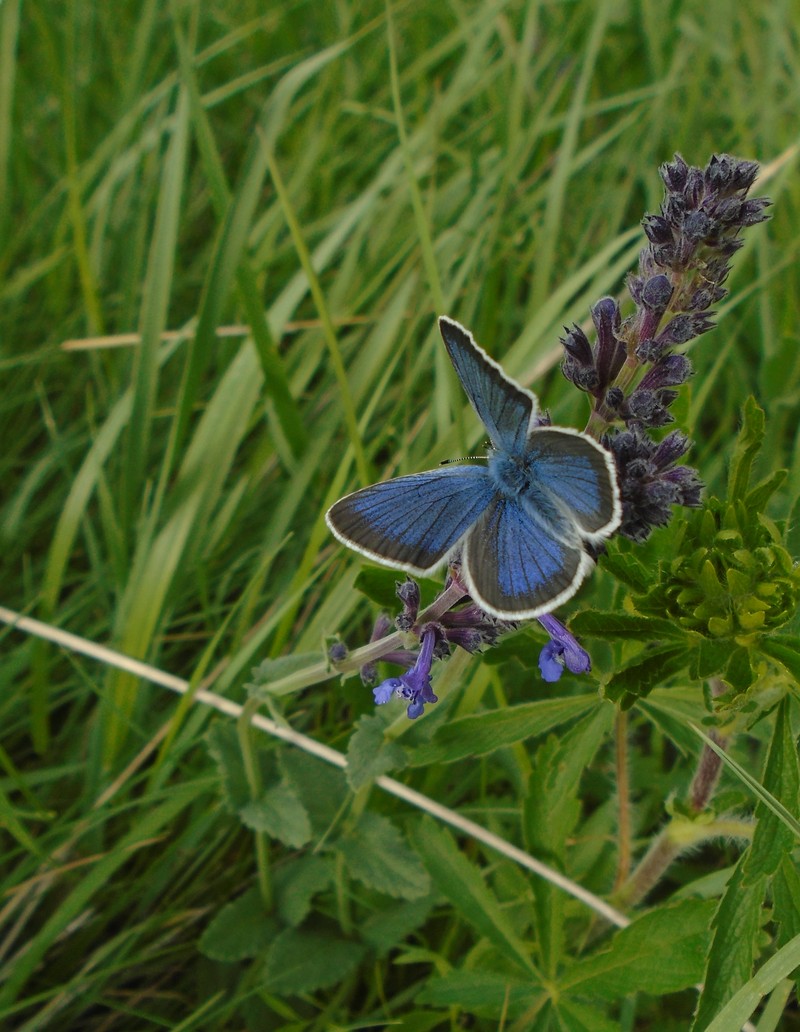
561	651
415	684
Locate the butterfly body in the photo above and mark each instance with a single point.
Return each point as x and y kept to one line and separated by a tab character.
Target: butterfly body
521	522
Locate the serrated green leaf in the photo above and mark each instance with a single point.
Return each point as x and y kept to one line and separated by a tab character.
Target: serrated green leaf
623	627
463	884
709	658
297	884
280	814
627	569
321	788
644	673
734	947
773	839
369	754
786	898
635	960
550	812
387	927
223	745
241	929
739	672
739	1008
480	734
670	709
786	650
303	961
758	496
482	992
376	853
582	1017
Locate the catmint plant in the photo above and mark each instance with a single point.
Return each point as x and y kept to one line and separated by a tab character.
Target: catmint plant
631	373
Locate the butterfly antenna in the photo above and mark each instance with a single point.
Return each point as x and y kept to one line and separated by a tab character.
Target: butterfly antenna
464	458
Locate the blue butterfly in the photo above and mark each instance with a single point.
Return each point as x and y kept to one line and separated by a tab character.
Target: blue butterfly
521	522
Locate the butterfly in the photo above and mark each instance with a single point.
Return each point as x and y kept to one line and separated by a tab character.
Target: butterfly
521	522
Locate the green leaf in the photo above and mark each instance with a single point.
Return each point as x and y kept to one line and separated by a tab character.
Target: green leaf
773	839
280	814
786	898
734	947
482	992
297	884
581	1017
387	927
551	811
748	444
739	672
623	626
482	733
635	960
463	884
303	961
321	788
241	929
645	672
758	496
709	658
377	854
628	570
785	649
223	745
369	754
744	1002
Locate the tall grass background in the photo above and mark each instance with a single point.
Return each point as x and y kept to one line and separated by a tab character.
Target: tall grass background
271	203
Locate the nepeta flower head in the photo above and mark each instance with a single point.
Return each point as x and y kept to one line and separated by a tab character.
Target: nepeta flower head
415	684
561	651
650	482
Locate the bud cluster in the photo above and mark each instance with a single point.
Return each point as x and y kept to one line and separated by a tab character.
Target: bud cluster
681	275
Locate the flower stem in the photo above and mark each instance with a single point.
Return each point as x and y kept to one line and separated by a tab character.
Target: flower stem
623	802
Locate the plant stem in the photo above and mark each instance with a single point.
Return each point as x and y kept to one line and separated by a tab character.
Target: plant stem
623	801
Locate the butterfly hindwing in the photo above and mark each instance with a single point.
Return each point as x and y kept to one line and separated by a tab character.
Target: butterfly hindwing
413	522
517	567
505	408
579	472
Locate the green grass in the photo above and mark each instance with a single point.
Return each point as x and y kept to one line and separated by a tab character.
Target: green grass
331	177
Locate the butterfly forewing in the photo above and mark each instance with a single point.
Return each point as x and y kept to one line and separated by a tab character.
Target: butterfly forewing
515	567
505	409
412	522
580	474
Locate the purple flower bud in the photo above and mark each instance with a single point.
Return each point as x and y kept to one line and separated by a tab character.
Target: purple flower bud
657	293
337	652
668	371
610	351
577	346
561	651
649	483
752	211
408	593
674	174
657	229
697	226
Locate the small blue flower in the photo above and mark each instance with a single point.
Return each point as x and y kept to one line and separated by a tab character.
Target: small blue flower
415	684
561	651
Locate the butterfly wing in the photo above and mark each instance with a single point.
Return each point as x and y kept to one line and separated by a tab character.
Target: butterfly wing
580	474
517	565
505	408
412	523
